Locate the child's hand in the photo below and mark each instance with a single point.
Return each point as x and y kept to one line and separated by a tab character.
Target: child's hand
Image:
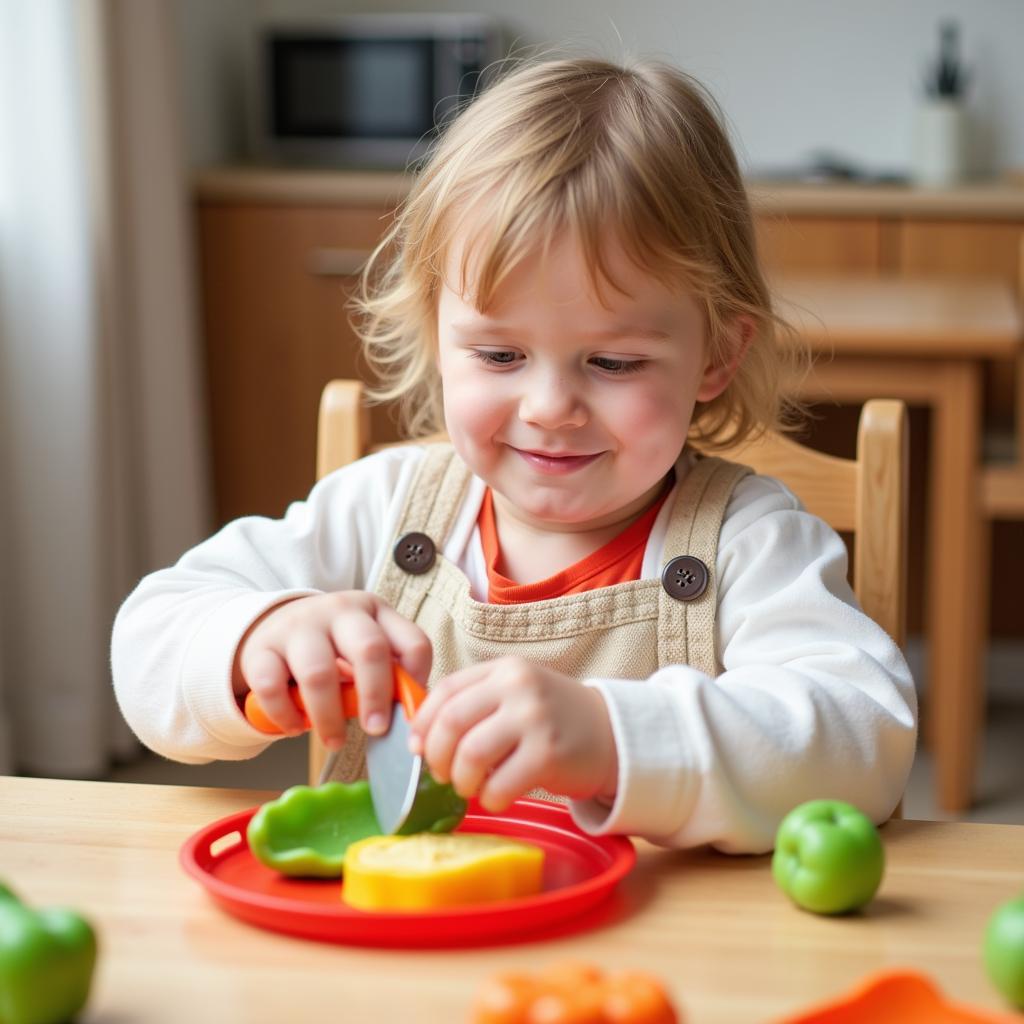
501	728
302	639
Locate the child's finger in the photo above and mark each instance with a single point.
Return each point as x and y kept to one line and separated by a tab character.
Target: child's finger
486	745
361	640
460	713
266	674
313	662
440	693
513	778
409	643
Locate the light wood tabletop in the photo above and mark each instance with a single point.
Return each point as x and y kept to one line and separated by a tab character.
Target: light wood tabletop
925	341
899	316
728	945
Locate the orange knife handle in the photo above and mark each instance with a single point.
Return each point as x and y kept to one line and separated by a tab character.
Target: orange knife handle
408	692
258	718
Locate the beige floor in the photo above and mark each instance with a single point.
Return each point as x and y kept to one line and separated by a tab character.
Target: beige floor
1000	786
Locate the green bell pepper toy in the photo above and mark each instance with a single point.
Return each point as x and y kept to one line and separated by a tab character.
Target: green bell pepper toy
47	958
306	830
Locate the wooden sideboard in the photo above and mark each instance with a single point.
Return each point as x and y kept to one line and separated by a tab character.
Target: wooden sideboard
276	279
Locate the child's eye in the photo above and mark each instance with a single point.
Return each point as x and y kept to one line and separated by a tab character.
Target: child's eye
493	358
618	366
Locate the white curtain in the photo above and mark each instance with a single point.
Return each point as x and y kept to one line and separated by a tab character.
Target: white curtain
102	471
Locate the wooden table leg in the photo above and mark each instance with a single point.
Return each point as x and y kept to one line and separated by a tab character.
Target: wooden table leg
956	579
956	561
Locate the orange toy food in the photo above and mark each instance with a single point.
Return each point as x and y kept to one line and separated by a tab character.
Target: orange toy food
573	993
896	996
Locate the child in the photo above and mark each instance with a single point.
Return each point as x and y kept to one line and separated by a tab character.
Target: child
604	614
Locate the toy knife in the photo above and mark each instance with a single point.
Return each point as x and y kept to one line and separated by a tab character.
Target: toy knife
406	798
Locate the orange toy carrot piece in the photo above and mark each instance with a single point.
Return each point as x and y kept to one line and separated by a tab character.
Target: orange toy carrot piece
574	992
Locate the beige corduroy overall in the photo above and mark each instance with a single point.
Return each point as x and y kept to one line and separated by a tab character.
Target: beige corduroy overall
626	631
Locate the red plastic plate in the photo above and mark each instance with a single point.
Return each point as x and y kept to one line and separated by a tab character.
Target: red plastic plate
580	872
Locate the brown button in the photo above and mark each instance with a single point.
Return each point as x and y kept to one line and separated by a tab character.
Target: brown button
415	553
685	578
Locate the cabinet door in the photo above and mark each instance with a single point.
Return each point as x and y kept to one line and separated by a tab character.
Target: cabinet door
974	249
275	284
808	245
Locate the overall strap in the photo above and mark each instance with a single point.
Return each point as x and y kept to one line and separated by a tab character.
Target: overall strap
686	626
432	505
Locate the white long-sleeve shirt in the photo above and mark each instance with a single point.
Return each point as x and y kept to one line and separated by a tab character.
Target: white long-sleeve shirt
815	700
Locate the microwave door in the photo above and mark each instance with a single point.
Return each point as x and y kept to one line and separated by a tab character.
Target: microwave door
351	101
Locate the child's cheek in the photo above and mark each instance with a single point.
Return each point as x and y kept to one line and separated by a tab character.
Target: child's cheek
656	415
473	414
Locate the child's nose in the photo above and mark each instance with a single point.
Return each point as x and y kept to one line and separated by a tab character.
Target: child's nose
552	403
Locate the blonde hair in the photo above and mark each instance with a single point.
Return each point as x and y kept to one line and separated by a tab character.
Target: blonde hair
583	144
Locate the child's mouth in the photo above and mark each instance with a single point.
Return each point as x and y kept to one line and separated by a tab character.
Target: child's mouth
557	465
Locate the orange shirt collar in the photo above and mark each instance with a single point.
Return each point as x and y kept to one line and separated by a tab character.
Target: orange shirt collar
618	561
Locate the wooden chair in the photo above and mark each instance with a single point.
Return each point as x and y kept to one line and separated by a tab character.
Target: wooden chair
865	496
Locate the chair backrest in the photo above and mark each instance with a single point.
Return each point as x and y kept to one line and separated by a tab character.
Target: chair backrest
865	496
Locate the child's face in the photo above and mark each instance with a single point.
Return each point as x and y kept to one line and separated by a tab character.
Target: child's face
571	411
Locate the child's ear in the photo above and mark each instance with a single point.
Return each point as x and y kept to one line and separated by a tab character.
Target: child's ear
740	334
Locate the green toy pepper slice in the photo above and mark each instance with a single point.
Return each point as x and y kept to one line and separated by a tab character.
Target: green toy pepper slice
47	958
306	831
436	807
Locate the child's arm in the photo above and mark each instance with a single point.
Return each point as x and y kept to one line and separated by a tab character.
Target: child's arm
176	637
815	700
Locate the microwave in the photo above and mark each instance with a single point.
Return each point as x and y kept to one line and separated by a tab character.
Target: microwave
364	91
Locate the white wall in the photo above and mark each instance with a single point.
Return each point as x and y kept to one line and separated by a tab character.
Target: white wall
793	76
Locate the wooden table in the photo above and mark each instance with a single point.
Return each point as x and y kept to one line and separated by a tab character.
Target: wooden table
727	943
926	341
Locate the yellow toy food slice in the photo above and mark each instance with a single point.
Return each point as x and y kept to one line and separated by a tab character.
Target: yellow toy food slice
425	871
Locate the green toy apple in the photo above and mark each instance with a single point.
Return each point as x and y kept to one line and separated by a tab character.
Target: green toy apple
828	857
1004	950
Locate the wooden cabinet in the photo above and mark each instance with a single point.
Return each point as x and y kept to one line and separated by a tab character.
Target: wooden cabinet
821	244
867	245
276	280
988	249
